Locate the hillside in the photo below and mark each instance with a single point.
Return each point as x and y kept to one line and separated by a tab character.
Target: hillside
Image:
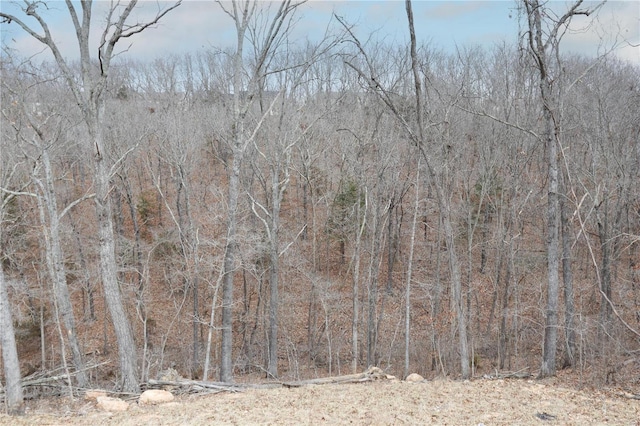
287	211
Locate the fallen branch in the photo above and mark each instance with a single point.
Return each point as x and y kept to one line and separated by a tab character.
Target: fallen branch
38	381
373	373
194	384
521	374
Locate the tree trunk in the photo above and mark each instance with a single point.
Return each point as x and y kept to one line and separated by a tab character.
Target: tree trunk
127	352
372	282
567	280
393	231
276	194
58	274
504	315
87	285
443	203
137	252
542	52
226	348
13	385
551	322
360	221
602	213
538	49
456	286
407	295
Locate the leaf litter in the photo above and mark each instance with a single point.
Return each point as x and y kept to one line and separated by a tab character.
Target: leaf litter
383	402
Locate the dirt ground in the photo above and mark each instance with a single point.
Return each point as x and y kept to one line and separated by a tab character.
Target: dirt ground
438	402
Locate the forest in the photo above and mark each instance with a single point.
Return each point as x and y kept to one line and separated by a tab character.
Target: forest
291	210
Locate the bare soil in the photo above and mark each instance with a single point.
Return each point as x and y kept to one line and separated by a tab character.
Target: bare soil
386	402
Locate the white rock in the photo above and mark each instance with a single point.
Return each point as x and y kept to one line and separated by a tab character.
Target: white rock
155	396
107	403
414	377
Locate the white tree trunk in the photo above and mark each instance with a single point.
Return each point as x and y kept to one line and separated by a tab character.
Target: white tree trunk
13	385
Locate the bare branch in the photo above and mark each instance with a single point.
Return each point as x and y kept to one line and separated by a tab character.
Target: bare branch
17	193
501	121
566	18
105	51
75	203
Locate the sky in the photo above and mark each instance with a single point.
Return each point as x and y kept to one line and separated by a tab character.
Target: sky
201	24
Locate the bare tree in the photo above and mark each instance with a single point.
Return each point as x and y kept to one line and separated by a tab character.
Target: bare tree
11	363
246	83
13	385
543	40
419	137
40	133
88	90
274	147
604	173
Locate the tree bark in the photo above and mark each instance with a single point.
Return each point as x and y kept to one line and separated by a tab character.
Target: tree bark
50	222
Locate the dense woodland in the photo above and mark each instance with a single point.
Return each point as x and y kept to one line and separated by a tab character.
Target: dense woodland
294	210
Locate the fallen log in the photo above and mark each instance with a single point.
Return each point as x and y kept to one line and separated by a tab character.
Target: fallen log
522	374
373	373
193	383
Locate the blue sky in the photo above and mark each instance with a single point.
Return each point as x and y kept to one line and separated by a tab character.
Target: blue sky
200	24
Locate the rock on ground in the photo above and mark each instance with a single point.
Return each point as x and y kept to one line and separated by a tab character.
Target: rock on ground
414	377
155	396
93	394
107	403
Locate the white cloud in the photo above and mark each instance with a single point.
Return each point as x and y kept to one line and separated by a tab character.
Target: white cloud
615	26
